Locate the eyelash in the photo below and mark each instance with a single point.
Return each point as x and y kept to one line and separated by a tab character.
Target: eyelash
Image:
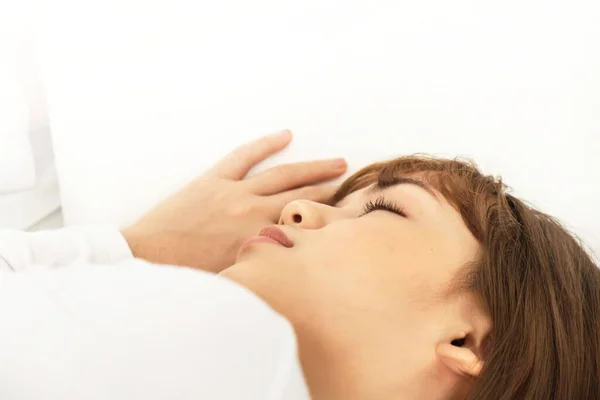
382	204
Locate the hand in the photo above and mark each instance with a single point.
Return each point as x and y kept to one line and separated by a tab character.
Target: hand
203	225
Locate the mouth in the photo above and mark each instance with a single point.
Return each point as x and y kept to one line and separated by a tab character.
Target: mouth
273	235
276	234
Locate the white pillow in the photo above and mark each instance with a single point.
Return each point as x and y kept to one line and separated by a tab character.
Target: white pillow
144	96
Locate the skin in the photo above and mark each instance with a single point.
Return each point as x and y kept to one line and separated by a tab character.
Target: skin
203	224
368	294
365	294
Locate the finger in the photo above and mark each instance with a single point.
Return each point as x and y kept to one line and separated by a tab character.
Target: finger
290	176
237	163
320	194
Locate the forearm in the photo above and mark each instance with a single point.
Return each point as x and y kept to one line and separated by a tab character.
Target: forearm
172	248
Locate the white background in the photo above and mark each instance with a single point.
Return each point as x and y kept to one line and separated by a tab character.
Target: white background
144	95
21	208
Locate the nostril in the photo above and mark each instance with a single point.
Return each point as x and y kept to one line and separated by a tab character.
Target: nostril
297	218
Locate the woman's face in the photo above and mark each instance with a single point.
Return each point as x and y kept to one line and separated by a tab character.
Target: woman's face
364	285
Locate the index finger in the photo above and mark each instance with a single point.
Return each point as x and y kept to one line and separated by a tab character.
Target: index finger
236	164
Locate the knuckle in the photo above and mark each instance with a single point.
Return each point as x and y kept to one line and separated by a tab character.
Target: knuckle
245	152
258	147
284	172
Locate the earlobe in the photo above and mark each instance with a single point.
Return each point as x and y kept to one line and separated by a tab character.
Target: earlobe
461	360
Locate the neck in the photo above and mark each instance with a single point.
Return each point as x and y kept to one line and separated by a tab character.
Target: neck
346	368
328	369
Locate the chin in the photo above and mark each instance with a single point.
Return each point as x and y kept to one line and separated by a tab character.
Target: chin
242	271
253	251
264	277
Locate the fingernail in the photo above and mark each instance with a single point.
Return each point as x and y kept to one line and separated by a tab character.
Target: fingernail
339	163
284	134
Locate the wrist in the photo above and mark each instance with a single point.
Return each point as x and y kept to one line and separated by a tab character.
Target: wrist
169	248
148	246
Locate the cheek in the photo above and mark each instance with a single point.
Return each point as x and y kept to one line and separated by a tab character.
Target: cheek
386	262
350	248
364	264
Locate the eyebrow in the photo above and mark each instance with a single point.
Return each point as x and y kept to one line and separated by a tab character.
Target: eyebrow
388	183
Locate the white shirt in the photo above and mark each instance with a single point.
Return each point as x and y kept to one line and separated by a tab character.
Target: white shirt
80	318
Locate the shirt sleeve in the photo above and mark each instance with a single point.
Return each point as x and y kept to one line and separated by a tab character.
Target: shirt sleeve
133	330
96	244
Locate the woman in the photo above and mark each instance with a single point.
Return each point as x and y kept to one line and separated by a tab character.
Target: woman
422	279
425	279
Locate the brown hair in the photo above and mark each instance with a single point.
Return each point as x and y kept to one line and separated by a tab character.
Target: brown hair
539	286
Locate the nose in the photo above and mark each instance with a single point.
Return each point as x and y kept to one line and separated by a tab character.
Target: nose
304	214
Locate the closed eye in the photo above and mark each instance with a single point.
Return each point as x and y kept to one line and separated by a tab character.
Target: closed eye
382	204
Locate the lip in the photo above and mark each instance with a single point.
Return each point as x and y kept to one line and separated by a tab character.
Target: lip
272	234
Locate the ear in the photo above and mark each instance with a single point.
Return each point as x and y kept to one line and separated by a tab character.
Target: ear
461	360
